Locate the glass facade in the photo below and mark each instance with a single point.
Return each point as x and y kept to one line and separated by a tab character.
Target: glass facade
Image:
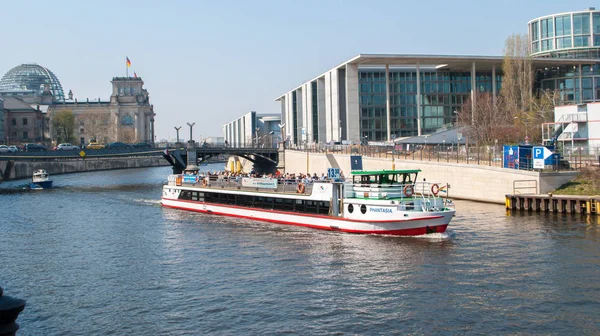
315	112
31	79
567	35
571	88
442	93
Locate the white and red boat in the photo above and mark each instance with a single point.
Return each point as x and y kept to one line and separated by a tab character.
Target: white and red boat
374	202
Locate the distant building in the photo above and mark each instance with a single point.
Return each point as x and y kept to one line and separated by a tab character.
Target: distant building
252	129
128	116
2	133
23	123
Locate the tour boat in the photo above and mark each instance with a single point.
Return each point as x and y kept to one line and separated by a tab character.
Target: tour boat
40	180
387	202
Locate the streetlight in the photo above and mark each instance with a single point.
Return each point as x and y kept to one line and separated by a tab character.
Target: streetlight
191	126
271	139
281	128
177	130
257	129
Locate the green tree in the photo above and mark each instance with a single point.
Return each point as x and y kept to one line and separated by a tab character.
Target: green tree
63	123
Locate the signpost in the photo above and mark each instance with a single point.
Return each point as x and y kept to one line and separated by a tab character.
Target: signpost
539	155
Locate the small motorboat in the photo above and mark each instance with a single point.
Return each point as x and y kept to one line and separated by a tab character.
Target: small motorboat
40	180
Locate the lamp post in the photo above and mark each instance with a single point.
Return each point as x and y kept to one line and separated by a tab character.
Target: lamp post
191	127
192	155
256	130
177	130
271	139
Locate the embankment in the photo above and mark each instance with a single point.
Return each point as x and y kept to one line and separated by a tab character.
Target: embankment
13	170
467	181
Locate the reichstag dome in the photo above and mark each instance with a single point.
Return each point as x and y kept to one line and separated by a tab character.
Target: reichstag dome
31	79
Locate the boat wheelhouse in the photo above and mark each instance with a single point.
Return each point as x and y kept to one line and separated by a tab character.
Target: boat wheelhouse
372	202
40	180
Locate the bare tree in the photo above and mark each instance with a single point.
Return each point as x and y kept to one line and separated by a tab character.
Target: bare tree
488	121
527	109
95	125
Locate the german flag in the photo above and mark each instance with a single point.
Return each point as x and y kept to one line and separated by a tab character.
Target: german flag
128	61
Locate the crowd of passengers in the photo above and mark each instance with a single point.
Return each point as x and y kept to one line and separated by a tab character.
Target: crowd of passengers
287	178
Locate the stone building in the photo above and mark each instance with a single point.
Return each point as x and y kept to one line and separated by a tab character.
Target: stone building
127	116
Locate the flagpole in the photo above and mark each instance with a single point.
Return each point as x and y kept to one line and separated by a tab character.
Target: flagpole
126	67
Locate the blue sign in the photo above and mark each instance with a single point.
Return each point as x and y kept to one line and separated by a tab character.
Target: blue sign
333	173
541	153
190	178
356	162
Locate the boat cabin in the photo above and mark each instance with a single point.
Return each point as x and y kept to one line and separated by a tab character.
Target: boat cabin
382	184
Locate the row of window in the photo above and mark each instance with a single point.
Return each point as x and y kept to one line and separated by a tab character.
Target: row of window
261	202
24	121
561	26
403	76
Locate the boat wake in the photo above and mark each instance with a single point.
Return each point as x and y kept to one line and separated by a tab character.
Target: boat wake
437	236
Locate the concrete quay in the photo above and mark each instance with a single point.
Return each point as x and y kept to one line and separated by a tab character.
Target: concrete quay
466	181
15	169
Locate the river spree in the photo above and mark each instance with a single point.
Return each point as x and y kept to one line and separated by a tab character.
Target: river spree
99	256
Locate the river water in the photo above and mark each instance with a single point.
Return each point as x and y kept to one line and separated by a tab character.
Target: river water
98	255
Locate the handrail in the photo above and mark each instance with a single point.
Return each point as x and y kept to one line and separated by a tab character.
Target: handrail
516	189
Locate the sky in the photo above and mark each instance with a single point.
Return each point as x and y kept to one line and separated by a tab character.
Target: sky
210	62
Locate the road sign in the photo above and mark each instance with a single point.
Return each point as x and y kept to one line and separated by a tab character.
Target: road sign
541	153
538	164
82	154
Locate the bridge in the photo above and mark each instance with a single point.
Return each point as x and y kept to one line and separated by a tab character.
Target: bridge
264	159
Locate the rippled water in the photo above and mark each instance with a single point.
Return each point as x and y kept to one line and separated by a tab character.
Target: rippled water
99	256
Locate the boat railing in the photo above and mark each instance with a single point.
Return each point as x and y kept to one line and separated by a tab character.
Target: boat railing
284	186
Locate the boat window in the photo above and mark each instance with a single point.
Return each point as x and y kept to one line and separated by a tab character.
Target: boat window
363	209
350	208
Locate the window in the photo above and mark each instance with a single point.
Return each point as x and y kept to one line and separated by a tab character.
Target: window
581	24
535	31
127	120
563	42
563	25
25	135
14	121
547	28
24	121
581	41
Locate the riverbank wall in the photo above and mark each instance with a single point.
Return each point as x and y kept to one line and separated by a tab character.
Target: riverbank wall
14	169
466	181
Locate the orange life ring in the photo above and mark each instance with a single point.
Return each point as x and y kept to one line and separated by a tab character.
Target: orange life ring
301	188
204	183
435	189
408	191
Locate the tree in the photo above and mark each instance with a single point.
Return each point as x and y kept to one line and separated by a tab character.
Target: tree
96	125
63	123
488	121
528	109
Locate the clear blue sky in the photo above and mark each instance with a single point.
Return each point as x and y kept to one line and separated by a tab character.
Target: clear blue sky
212	61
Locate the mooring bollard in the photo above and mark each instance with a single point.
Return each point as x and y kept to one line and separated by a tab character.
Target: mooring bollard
9	311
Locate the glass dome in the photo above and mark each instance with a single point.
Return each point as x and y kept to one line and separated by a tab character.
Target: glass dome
31	79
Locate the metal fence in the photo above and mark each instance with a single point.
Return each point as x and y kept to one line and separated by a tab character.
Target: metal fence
571	159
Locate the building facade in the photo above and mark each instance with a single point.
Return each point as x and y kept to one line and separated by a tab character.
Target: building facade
23	123
2	132
571	35
383	97
252	130
127	116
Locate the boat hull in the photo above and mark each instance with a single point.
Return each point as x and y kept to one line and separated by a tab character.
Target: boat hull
418	224
40	185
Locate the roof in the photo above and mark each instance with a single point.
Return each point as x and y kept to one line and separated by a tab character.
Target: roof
14	103
380	172
450	62
446	136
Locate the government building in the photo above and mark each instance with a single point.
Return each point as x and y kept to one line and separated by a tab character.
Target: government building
382	97
31	95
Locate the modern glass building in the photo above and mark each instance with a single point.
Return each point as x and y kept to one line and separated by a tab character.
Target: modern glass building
383	97
572	35
31	80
